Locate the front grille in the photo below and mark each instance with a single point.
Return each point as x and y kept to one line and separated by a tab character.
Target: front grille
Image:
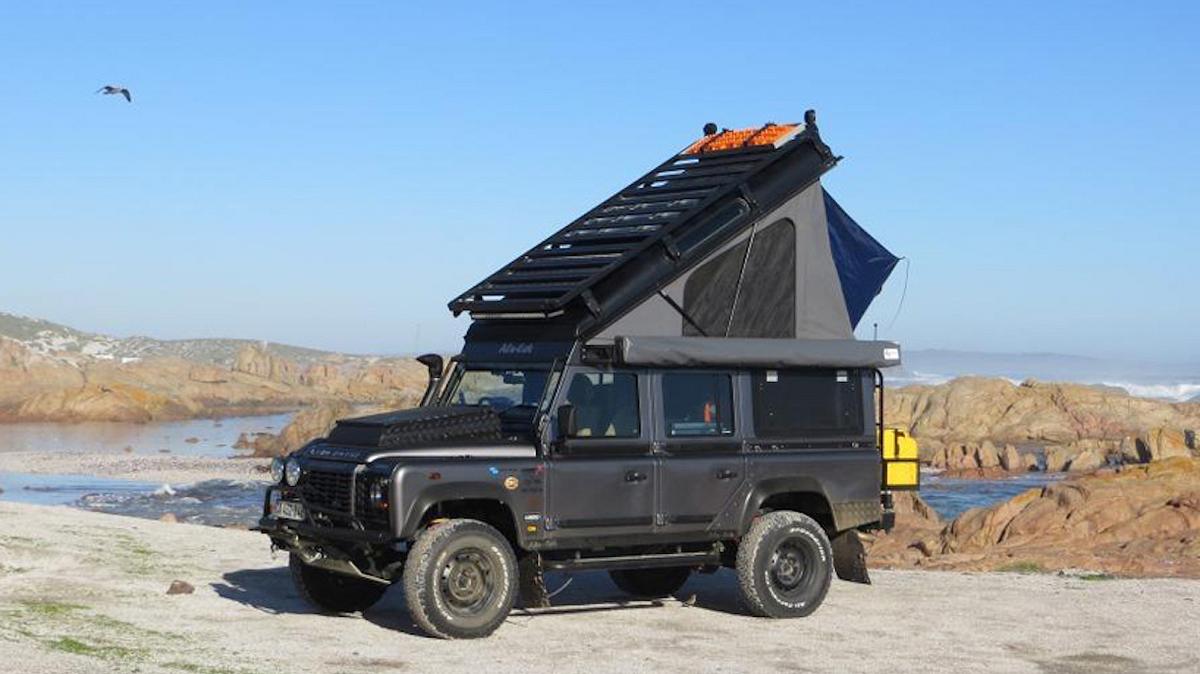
328	490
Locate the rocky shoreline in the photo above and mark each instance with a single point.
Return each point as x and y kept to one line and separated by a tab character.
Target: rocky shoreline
66	386
1133	521
975	427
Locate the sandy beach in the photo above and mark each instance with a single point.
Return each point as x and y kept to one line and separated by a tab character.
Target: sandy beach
86	592
166	468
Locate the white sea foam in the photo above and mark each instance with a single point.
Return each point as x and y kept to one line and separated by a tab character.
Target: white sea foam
1177	392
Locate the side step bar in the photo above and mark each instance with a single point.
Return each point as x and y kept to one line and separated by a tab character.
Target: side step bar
648	561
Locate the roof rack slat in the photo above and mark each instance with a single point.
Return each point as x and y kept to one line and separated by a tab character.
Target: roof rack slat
546	278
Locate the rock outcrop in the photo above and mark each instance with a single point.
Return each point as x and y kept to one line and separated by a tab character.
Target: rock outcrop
41	385
312	422
1134	521
977	409
960	426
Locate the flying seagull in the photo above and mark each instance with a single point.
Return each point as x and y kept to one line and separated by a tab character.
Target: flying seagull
109	90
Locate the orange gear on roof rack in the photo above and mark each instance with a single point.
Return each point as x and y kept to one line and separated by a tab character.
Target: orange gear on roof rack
732	139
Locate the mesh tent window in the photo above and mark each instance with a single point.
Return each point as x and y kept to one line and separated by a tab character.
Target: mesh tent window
748	290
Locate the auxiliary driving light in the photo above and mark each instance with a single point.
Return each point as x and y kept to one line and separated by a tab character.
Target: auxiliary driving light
277	465
292	472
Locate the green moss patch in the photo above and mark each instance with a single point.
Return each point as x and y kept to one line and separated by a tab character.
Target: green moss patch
1022	567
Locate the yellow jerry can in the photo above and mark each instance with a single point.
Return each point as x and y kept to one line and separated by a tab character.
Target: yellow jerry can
901	460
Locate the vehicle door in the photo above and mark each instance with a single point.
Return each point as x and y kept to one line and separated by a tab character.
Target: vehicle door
701	462
600	481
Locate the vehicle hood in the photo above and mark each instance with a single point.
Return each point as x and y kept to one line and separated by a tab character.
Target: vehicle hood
442	431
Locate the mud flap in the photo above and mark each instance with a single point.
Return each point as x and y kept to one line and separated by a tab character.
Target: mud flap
531	583
849	558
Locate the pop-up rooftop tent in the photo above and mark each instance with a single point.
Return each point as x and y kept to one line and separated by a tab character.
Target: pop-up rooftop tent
733	237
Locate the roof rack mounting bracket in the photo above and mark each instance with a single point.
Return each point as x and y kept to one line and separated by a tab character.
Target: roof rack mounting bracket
749	197
672	249
590	300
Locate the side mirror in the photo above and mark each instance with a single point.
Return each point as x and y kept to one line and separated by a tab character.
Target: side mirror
435	365
567	425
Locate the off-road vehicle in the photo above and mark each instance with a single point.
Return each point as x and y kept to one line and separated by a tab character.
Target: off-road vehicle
669	384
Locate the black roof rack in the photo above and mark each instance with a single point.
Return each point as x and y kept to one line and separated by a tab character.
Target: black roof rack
668	206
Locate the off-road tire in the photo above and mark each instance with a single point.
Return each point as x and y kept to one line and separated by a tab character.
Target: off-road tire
332	592
784	565
651	583
460	579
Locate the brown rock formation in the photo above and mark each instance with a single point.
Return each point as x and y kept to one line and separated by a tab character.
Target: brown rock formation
1086	461
312	422
977	409
1135	521
36	386
958	424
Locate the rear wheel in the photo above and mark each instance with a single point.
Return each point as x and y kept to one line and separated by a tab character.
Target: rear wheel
460	579
333	592
784	565
651	583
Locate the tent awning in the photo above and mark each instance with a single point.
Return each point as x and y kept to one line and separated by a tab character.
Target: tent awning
755	352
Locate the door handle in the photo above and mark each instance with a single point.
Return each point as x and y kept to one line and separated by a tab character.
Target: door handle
726	474
635	476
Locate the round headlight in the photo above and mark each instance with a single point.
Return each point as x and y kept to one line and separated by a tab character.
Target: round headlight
277	469
292	472
378	494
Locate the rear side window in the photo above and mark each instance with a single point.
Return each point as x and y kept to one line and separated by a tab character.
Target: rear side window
697	404
810	402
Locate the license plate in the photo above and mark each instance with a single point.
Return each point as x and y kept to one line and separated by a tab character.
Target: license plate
289	510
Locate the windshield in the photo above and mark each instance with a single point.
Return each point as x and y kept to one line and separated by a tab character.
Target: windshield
499	389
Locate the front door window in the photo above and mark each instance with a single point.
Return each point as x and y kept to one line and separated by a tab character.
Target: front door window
606	404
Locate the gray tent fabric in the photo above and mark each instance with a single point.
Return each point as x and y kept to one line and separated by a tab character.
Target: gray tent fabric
755	352
766	298
777	279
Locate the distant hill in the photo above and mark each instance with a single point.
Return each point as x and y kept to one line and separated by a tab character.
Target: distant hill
52	372
47	338
1169	381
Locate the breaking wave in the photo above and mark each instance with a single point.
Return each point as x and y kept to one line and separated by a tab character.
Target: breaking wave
1178	392
213	502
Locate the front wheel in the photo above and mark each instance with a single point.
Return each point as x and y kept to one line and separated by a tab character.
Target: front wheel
333	592
460	579
784	565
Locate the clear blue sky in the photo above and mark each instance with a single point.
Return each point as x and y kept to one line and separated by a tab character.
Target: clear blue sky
331	174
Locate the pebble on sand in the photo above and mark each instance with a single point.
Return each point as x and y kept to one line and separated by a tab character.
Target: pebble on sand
180	587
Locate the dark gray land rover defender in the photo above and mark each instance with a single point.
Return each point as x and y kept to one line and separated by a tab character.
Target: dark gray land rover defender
669	384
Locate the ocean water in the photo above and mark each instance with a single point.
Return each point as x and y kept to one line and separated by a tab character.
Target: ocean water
951	497
237	503
226	502
214	502
192	437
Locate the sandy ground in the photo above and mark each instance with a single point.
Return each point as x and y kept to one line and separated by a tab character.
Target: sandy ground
85	592
167	468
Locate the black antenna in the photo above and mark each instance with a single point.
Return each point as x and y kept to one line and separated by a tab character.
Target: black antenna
876	337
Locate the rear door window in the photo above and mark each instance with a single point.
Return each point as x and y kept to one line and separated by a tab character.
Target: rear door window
697	404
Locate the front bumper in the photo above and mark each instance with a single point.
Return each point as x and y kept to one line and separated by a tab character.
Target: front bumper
294	534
